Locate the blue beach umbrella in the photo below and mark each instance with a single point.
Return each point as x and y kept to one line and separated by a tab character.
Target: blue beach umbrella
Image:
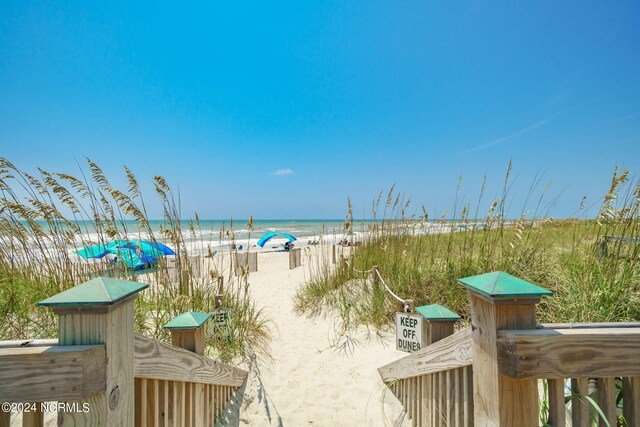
166	250
134	253
95	251
270	235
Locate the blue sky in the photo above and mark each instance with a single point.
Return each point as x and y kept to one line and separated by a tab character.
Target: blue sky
285	109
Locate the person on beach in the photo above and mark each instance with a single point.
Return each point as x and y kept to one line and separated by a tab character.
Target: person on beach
287	246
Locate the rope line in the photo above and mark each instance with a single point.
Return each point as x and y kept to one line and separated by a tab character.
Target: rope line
403	301
387	288
355	269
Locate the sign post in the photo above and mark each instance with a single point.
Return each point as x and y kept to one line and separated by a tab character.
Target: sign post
409	336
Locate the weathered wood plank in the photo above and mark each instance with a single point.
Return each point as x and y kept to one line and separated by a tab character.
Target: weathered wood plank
200	404
205	404
55	373
164	386
569	353
580	405
28	343
434	398
623	239
420	400
468	395
113	327
192	340
449	398
245	261
557	407
34	418
181	404
449	353
429	399
154	402
141	416
631	400
437	330
500	400
457	396
173	403
588	325
295	258
606	399
188	402
155	359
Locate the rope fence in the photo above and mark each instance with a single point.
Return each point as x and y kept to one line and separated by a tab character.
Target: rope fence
408	304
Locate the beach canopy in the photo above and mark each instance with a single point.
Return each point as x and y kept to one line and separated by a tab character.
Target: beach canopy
134	253
270	235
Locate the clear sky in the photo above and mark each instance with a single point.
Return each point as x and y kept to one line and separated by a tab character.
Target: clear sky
285	109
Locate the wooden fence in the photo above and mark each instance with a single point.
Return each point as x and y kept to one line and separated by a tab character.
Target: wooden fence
295	258
245	262
491	374
101	373
623	247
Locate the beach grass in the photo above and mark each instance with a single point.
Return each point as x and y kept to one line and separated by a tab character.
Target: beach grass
44	216
559	255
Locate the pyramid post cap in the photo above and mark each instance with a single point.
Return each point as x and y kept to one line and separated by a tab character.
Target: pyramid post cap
99	291
437	312
188	320
501	285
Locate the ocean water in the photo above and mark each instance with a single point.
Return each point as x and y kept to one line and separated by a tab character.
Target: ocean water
216	234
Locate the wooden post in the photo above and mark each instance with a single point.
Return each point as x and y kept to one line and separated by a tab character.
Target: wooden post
101	311
219	300
246	261
188	331
501	301
409	306
34	418
333	254
439	323
295	258
601	249
5	418
631	400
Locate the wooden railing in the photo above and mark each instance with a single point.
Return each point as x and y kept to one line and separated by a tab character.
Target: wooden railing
583	360
496	372
177	387
435	384
101	373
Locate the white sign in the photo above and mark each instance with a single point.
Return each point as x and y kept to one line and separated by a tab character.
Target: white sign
408	332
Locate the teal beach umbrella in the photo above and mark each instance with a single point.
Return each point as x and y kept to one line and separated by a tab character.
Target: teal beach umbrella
270	235
134	253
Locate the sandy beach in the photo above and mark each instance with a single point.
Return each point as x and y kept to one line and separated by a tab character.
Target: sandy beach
308	381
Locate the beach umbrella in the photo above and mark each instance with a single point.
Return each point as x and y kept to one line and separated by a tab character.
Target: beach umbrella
166	250
134	253
95	251
271	234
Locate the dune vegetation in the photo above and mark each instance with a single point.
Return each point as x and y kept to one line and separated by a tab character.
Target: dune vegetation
564	256
45	215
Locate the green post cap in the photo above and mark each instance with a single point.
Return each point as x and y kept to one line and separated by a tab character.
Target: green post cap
100	291
437	312
501	285
188	320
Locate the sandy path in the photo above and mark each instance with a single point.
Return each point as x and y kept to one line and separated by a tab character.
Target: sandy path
309	382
